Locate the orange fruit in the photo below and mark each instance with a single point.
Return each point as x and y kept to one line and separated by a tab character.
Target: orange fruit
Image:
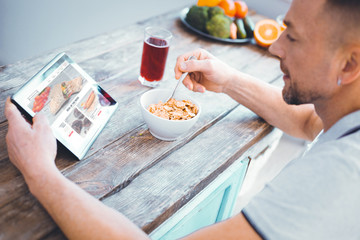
266	32
280	21
282	26
241	9
208	3
229	7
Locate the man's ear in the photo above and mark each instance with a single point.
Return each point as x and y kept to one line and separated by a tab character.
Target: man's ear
351	70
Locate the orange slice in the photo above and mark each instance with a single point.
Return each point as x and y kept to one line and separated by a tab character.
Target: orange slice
266	32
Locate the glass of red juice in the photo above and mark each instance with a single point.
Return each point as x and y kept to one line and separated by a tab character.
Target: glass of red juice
155	52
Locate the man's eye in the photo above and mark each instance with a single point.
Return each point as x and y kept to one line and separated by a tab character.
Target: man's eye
291	39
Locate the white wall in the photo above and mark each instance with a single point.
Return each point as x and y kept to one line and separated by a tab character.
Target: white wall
32	27
270	8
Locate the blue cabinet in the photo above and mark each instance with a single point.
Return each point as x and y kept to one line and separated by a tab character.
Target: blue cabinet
215	203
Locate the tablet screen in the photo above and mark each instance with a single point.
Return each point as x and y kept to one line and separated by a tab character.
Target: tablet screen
75	105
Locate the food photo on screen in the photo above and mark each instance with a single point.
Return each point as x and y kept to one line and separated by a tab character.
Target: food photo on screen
61	90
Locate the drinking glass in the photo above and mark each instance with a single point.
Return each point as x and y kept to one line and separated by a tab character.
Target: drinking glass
154	55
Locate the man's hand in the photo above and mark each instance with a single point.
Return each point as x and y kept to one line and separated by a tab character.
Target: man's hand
31	148
205	73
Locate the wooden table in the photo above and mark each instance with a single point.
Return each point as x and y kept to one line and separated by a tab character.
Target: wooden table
149	180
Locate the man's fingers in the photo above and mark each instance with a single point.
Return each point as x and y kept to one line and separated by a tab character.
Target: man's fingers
41	122
179	68
191	84
179	64
198	87
188	83
9	109
13	115
196	66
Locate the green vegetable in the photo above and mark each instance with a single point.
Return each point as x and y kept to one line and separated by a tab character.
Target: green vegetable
219	26
249	26
197	17
213	11
241	32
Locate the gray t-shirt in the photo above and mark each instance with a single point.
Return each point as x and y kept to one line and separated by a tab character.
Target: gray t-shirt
316	196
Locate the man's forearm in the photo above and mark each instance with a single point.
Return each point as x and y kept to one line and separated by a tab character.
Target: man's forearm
78	214
267	102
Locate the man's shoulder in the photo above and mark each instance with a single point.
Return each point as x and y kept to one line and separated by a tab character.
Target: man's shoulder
342	152
343	146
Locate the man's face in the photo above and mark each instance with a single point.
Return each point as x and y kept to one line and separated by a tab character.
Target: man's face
307	59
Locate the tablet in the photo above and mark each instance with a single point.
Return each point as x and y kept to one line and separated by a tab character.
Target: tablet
76	106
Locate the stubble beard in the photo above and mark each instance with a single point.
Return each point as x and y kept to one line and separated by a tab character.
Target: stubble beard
290	96
294	96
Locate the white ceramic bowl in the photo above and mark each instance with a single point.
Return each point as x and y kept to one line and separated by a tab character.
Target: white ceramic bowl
164	129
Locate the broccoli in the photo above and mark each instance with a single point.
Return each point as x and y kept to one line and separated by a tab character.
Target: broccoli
213	11
219	26
197	17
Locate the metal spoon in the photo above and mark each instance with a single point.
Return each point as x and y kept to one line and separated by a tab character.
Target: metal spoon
183	76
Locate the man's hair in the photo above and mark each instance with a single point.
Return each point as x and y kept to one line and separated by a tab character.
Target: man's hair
349	8
344	3
347	15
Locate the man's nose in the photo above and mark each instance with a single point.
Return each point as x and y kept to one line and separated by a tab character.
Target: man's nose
276	48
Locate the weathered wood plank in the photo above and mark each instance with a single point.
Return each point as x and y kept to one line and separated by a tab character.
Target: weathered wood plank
99	176
184	173
90	174
152	220
125	86
18	229
121	86
128	115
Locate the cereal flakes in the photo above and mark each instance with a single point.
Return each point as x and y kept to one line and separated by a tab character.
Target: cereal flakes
174	109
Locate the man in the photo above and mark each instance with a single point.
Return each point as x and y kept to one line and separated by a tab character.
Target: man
314	197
